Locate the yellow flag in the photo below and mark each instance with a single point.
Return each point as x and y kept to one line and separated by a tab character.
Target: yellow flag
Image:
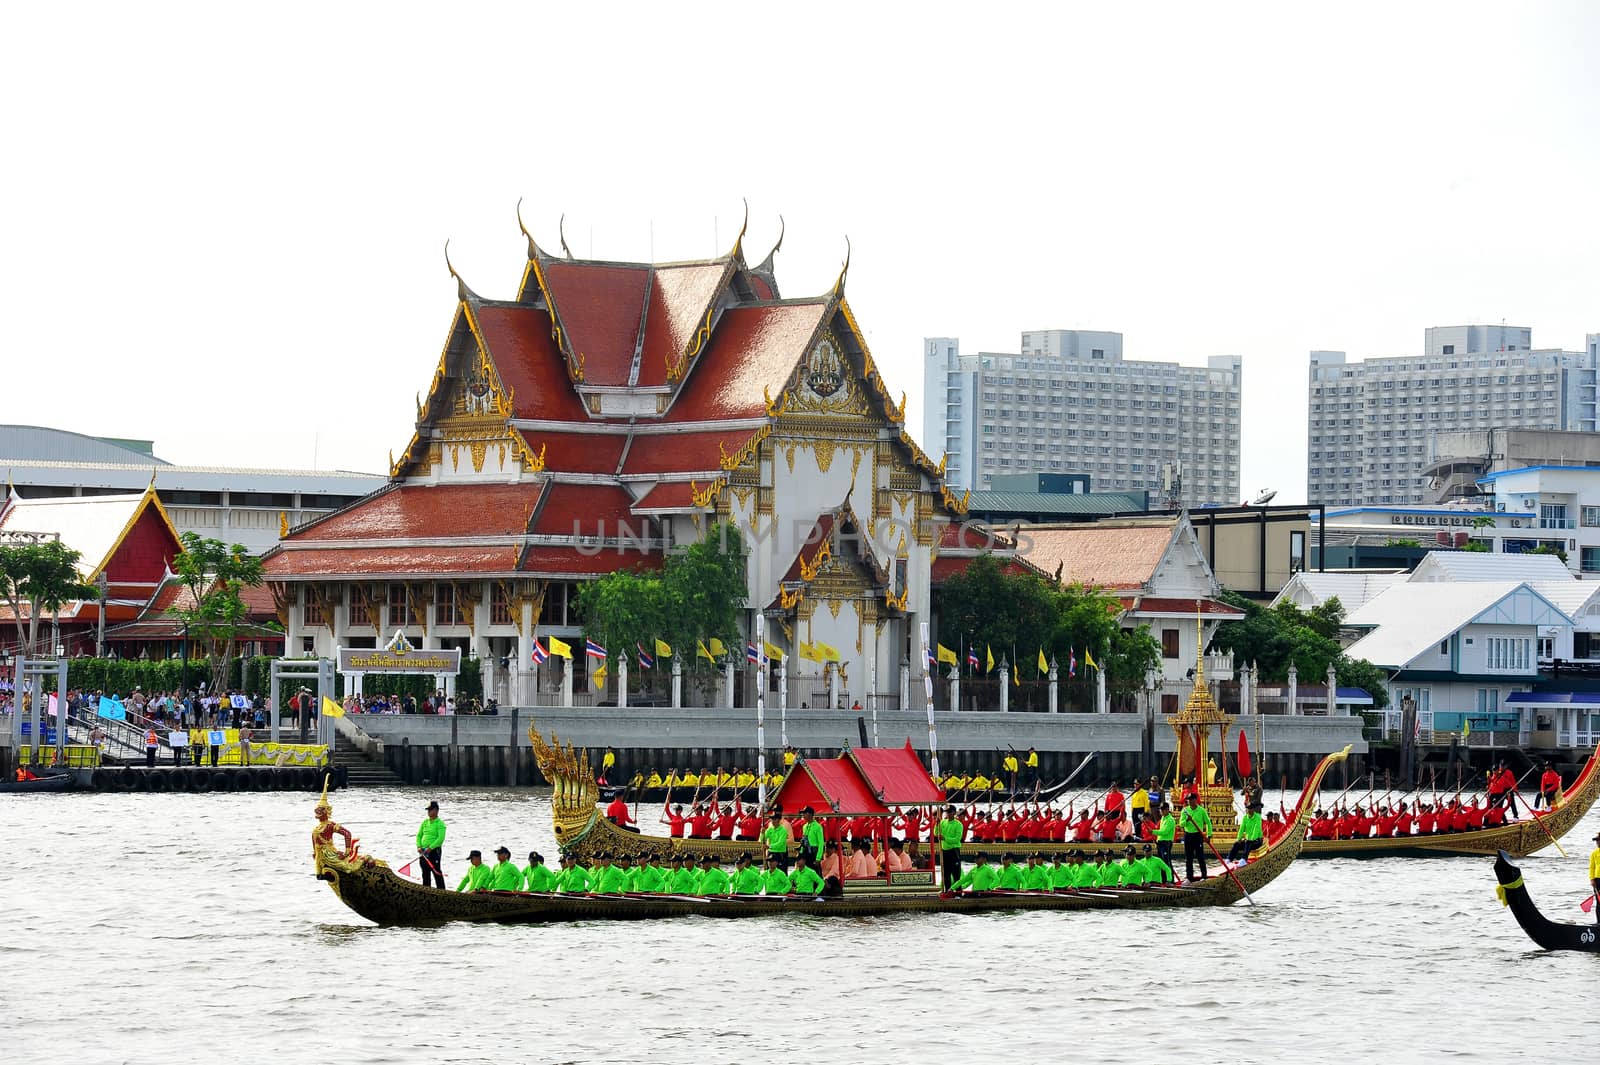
717	648
331	708
663	648
944	654
809	652
701	651
828	653
1016	678
598	677
1044	664
560	650
1088	659
1466	728
989	653
773	652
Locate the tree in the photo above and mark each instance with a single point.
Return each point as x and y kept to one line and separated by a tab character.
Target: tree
215	575
45	577
991	607
1276	637
696	596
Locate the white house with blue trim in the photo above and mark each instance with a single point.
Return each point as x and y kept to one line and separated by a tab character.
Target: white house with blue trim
1460	649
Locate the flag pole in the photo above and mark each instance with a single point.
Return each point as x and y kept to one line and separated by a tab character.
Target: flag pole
761	710
927	681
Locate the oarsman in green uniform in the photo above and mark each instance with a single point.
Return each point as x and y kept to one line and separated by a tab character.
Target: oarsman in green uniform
1010	874
537	876
478	875
1166	832
574	878
630	875
430	848
683	878
747	879
649	878
506	876
1195	824
775	880
950	833
1131	872
1037	876
1156	870
1249	833
777	837
811	829
713	881
984	877
805	880
612	879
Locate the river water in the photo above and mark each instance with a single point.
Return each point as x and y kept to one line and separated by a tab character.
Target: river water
175	928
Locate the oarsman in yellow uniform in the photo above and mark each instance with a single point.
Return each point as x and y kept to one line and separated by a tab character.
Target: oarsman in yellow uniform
1032	764
979	783
653	780
789	757
1594	876
1009	764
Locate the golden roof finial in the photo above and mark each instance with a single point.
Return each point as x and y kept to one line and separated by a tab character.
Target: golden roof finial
838	286
561	227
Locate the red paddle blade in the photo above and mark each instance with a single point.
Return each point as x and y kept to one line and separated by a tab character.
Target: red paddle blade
1244	754
1587	905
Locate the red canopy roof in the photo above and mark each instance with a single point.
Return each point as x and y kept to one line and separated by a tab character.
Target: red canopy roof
828	786
859	782
896	775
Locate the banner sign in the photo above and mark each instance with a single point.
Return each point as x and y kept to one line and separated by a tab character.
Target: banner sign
367	660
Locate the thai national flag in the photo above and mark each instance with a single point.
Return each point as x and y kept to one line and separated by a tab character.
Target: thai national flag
927	652
1072	663
540	655
972	657
646	660
593	650
751	655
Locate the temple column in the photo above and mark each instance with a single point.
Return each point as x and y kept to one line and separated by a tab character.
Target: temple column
1055	677
524	680
955	688
677	681
833	685
905	684
1294	689
1333	691
622	680
1100	704
566	682
727	683
1005	685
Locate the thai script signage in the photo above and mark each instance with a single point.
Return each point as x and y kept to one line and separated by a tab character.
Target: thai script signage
369	660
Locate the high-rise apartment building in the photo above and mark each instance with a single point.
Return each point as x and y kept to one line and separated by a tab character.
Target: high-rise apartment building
1070	403
1369	423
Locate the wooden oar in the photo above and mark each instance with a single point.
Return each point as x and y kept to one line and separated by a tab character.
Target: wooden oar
1231	873
1071	776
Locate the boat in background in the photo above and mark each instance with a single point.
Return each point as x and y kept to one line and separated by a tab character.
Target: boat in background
1551	935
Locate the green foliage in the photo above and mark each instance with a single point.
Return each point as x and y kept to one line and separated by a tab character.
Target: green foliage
45	577
1481	546
215	575
1276	637
1402	541
1017	614
1546	549
696	596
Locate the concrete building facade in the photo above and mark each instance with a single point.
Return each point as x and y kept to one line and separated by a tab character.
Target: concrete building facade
1069	402
1369	422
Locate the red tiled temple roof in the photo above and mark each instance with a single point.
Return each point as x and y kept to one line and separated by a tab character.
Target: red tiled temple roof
584	510
600	307
668	495
573	562
1155	605
683	452
807	555
529	363
1106	555
420	510
679	298
576	452
754	348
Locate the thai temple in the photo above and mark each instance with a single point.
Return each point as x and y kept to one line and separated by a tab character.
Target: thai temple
606	413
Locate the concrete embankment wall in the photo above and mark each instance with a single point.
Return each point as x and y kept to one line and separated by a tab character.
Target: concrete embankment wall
495	750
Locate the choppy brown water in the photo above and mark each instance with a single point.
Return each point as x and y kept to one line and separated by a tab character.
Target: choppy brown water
175	928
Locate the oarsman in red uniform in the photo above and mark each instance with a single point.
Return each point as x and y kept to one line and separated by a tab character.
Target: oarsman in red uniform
748	821
1386	822
725	822
1496	784
674	820
1321	826
1474	816
1364	824
699	823
1114	799
1083	827
910	823
1402	822
1549	787
1458	817
1110	824
1427	821
1494	817
617	812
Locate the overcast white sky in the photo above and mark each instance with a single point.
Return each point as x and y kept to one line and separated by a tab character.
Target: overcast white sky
223	223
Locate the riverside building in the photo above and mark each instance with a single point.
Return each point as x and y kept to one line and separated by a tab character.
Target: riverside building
1369	423
1070	403
603	414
